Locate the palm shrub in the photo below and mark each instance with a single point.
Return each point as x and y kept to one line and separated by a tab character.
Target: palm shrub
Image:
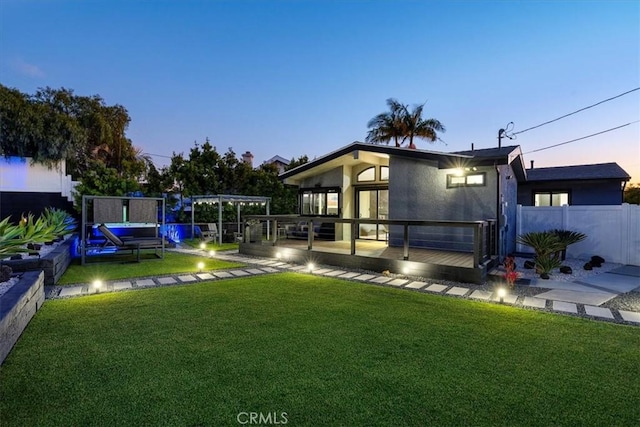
547	246
568	237
62	223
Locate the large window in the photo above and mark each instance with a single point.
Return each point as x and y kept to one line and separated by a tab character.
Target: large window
320	201
550	198
367	175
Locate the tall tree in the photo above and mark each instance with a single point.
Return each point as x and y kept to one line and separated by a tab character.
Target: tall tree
401	125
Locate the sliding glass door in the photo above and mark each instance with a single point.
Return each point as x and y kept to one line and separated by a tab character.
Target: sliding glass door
372	204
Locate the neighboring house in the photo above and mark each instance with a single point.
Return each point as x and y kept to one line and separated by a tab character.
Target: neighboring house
598	184
383	182
280	162
27	187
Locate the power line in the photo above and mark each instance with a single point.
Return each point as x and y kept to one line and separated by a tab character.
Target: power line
584	137
577	111
159	155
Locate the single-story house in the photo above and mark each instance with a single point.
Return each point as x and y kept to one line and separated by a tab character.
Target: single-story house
394	183
597	184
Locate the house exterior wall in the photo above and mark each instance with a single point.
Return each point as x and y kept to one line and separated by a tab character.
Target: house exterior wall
418	191
601	192
509	210
332	178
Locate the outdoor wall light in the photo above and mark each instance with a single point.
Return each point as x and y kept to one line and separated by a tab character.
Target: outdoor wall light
501	293
200	266
458	172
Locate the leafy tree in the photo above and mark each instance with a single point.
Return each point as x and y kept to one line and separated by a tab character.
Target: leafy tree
632	194
399	125
101	180
294	163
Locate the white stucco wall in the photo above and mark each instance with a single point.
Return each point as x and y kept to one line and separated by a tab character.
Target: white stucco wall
19	175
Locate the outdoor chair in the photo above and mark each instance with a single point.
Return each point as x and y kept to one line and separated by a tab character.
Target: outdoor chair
209	231
130	244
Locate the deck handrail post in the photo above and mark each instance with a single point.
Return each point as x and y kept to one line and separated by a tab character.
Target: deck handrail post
405	254
477	248
275	232
354	227
310	234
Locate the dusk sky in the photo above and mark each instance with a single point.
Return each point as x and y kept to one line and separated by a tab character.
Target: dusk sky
292	78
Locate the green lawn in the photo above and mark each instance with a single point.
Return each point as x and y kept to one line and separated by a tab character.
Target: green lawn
120	267
323	351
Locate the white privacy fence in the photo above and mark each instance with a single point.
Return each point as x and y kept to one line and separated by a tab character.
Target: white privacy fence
613	232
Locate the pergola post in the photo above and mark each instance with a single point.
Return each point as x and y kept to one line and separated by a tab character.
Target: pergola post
220	220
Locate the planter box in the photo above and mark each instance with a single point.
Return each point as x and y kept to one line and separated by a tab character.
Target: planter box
17	307
54	264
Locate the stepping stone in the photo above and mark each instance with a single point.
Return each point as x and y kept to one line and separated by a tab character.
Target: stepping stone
364	277
416	285
270	270
335	273
321	271
255	271
457	290
507	299
71	291
535	302
567	307
262	261
598	312
298	268
278	264
380	279
166	280
578	297
223	274
630	316
122	285
398	282
145	282
484	295
239	273
349	275
205	276
436	288
188	278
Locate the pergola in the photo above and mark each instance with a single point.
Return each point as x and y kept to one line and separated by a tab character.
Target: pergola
237	200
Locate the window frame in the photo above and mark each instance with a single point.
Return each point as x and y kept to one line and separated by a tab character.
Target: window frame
320	190
367	170
550	193
451	176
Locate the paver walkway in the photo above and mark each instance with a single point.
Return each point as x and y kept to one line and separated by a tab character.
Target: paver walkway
565	297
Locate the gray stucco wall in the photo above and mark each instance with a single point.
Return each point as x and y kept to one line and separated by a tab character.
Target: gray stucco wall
332	178
582	192
418	191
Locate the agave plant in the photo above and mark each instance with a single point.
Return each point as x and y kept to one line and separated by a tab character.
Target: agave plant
61	221
11	242
36	231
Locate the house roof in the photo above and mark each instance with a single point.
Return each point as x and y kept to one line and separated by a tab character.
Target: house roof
352	152
279	159
579	172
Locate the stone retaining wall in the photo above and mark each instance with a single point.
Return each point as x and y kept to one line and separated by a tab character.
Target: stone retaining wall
17	307
54	264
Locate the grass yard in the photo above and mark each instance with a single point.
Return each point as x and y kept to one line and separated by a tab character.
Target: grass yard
323	351
120	267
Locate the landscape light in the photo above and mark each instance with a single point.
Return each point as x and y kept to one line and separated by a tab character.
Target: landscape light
97	284
310	266
278	255
405	270
203	245
200	266
501	293
212	253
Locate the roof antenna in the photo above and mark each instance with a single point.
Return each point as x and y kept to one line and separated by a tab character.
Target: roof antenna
505	133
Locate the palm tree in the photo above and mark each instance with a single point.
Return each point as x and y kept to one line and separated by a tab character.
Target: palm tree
399	125
388	126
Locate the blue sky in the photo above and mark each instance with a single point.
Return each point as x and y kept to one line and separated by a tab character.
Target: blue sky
304	77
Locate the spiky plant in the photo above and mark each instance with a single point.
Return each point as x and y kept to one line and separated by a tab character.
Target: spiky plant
568	237
11	242
36	231
62	223
542	242
546	263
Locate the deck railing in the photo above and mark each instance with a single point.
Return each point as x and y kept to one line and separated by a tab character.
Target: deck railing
477	237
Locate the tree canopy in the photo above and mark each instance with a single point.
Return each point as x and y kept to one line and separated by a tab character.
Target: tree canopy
402	125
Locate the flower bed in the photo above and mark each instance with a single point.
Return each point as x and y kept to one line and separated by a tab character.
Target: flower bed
17	307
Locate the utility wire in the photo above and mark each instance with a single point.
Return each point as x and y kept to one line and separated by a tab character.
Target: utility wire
577	111
584	137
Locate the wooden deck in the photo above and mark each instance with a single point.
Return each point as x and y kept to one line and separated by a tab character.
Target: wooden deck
378	249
